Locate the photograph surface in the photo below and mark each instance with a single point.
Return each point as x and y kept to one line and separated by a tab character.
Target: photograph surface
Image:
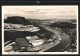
40	29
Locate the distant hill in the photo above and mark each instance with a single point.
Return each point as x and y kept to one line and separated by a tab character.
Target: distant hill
17	20
63	25
74	21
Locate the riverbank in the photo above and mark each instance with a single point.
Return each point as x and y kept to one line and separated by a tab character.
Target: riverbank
64	43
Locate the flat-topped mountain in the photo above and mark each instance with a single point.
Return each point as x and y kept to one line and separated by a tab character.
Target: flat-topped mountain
17	20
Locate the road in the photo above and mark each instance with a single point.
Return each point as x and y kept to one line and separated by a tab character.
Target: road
64	42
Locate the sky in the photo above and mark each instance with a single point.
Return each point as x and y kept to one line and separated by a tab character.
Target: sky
41	12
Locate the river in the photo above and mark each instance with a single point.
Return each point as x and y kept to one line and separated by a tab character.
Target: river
64	42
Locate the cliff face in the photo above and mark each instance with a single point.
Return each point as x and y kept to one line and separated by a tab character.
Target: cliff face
16	34
17	20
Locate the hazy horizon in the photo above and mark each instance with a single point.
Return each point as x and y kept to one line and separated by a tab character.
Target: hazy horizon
41	12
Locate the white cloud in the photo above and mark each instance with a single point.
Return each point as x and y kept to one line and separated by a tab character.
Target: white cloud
41	11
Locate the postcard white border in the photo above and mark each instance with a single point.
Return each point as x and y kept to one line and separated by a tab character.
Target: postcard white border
35	53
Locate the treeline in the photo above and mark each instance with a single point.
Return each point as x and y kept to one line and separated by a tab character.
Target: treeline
63	25
43	33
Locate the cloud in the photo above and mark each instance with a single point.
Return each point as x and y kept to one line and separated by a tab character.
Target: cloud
41	11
